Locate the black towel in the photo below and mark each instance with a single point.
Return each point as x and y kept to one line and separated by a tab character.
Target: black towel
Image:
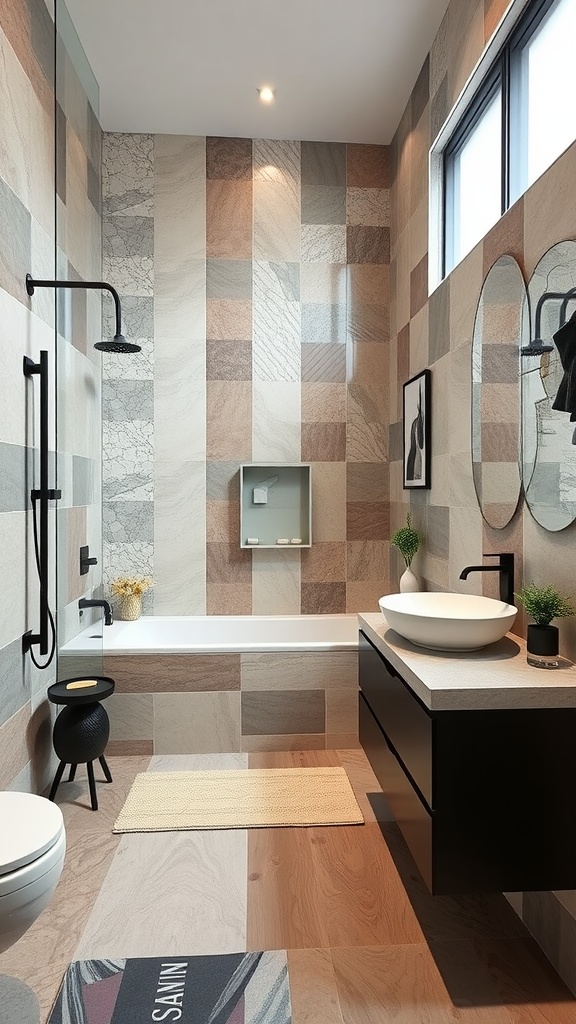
565	341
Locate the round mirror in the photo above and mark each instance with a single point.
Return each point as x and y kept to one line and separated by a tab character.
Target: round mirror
500	329
548	434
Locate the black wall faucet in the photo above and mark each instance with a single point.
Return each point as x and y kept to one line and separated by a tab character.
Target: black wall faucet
84	602
506	569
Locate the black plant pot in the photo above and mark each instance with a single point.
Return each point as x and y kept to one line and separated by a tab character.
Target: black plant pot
542	646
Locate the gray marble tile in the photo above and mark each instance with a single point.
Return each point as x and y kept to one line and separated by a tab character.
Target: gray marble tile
128	174
222	481
84	476
323	204
438	530
123	236
322	322
136	366
323	163
128	460
137	316
133	275
276	324
16	464
135	558
126	522
15	242
229	279
15	690
127	400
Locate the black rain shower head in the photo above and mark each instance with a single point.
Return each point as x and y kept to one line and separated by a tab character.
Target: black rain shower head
118	343
536	348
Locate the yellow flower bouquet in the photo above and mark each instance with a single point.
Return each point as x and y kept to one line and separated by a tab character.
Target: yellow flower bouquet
130	589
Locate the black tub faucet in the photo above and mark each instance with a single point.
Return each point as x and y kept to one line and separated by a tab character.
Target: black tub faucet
505	567
84	602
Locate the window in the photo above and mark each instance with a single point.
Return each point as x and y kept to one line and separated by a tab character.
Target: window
520	119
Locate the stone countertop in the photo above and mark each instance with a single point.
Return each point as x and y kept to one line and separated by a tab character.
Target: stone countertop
495	678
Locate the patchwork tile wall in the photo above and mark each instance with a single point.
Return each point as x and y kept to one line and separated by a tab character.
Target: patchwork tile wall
261	272
436	332
178	704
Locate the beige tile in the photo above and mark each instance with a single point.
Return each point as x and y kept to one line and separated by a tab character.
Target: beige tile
283	712
229	598
324	282
369	206
131	716
307	670
229	413
342	712
550	209
308	741
276	582
229	220
324	562
14	752
418	344
323	403
129	748
229	319
196	723
205	872
222	521
329	501
173	673
419	230
368	560
363	596
277	220
197	762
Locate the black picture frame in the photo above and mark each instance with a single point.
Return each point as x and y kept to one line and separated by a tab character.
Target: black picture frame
416	432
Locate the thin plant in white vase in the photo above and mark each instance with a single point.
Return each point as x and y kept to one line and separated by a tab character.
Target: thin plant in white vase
407	540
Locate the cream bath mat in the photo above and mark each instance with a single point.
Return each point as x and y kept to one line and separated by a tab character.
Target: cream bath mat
245	798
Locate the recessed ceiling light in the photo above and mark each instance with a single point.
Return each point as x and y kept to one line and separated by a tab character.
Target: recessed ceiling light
266	94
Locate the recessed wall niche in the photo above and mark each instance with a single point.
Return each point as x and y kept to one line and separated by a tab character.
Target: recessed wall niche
501	327
275	505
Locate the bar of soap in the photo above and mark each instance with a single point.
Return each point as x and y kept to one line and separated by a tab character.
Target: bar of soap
283	540
80	684
296	540
252	540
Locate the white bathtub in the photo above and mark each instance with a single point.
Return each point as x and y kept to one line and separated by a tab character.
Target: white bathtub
220	634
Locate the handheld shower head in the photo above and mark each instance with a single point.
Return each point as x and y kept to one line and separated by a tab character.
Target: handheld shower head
118	343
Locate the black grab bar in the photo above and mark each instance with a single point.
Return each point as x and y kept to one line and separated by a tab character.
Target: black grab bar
43	495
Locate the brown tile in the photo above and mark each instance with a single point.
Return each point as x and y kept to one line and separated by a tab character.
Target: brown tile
129	748
323	598
493	11
368	560
367	520
227	563
368	322
323	403
228	159
506	237
439	322
228	320
363	595
369	284
323	442
367	244
421	92
17	19
367	166
324	363
174	673
229	220
229	598
229	420
287	711
228	360
324	563
223	521
403	354
419	286
367	481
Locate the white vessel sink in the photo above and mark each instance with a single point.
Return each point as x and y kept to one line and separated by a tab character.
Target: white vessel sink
448	622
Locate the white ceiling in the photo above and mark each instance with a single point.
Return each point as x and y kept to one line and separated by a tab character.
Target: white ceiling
343	70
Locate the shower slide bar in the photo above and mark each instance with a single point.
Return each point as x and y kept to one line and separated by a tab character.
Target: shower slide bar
43	495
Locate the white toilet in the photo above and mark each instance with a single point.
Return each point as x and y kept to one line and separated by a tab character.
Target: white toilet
32	848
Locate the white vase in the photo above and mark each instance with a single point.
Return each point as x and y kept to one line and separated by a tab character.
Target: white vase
409	583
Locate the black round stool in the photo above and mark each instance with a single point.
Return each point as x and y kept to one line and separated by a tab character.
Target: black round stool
82	728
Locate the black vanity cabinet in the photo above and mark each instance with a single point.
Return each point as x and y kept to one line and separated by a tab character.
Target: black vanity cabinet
486	800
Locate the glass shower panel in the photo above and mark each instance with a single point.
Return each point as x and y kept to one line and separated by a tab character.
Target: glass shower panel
78	326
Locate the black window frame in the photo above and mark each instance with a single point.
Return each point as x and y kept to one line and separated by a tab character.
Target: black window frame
504	73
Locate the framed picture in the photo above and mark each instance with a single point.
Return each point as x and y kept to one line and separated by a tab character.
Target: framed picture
416	431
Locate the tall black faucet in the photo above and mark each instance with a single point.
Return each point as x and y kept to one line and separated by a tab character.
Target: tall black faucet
84	602
506	569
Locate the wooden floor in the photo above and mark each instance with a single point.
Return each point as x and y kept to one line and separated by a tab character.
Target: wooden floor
366	943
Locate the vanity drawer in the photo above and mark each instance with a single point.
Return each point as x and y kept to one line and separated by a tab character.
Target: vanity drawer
402	718
413	819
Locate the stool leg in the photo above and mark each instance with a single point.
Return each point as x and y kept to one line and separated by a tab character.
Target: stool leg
57	779
105	769
72	772
92	784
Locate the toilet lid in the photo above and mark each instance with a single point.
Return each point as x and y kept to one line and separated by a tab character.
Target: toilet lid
29	825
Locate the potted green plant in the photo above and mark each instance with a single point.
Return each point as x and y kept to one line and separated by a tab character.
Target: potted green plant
543	604
407	540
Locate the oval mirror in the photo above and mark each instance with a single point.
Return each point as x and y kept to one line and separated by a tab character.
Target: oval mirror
548	434
500	328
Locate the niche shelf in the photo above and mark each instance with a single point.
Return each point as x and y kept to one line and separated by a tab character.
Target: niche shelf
275	505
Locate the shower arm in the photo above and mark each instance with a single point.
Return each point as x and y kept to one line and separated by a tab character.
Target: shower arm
566	298
32	283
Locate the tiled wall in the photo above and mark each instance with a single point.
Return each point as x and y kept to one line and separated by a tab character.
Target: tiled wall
178	704
28	244
436	332
257	275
